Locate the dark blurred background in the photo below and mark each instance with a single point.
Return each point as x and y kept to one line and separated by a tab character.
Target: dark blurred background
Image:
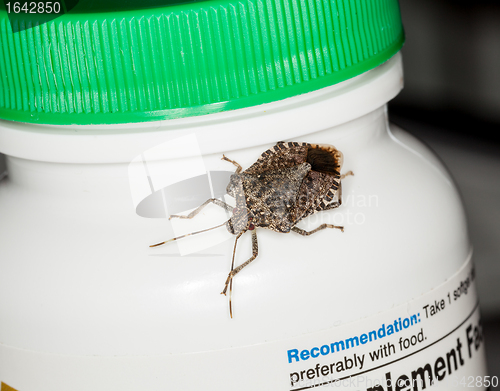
451	101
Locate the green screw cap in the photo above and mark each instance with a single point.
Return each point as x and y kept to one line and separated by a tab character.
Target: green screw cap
114	62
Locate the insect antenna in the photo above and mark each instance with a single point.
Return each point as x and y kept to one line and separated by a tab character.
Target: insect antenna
192	233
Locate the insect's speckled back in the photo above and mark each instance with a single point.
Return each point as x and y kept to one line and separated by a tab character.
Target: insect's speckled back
282	205
272	195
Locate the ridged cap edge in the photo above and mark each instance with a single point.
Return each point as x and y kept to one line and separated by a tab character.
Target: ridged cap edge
189	59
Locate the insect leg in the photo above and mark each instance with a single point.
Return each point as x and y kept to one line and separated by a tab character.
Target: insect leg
231	282
233	272
238	167
322	226
217	202
346	174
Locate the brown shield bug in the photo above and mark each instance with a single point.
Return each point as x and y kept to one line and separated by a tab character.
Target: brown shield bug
287	183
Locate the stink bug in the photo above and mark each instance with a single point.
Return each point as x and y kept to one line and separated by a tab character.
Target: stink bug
287	183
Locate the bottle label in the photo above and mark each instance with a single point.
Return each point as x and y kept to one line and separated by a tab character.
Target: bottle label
433	342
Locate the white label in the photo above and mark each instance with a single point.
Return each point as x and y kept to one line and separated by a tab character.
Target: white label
432	343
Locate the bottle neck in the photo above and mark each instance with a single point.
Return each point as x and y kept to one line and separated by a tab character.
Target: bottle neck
109	178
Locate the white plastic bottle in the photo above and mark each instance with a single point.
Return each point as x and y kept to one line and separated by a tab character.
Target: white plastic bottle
389	304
